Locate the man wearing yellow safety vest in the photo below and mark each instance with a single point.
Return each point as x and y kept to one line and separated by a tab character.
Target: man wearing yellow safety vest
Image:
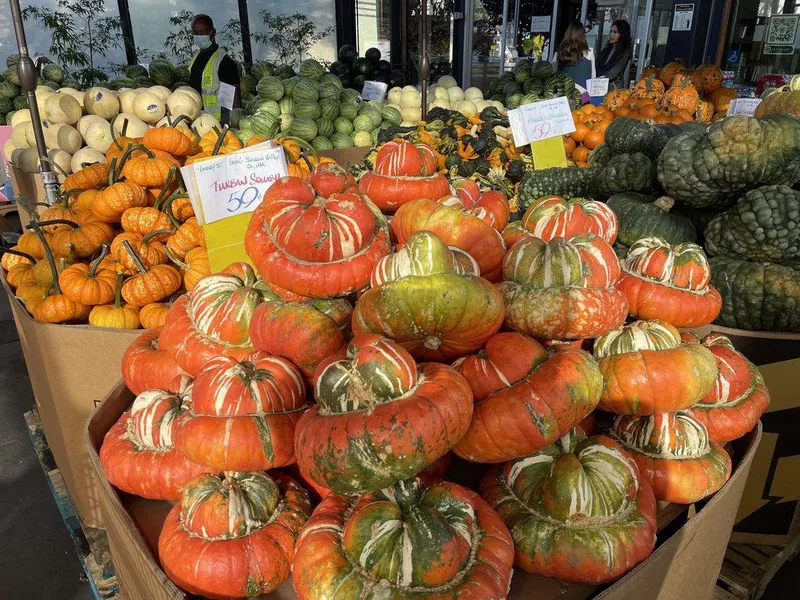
210	66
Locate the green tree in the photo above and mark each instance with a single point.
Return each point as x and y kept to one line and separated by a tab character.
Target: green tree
289	37
80	34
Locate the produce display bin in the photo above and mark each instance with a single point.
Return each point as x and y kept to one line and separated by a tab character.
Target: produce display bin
688	559
770	509
71	368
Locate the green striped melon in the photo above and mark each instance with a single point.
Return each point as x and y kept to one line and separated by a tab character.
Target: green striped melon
134	71
362	138
321	143
162	72
305	129
9	90
325	128
262	69
285	120
311	69
330	78
343	126
270	88
340	140
287	105
329	108
374	116
269	106
246	123
348	110
247	84
328	91
363	123
349	95
264	123
285	72
391	114
305	91
308	110
20	102
288	85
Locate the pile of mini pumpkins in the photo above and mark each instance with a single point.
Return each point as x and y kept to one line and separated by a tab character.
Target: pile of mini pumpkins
591	123
674	94
303	413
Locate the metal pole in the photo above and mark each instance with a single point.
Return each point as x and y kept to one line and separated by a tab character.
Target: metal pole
26	71
515	41
503	38
553	25
584	10
648	14
127	31
634	33
469	23
244	21
424	60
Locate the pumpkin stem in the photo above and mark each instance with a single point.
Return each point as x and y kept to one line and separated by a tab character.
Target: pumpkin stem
175	259
170	177
72	224
665	203
28	208
55	165
155	233
135	257
96	263
180	118
48	254
70	254
118	291
24	255
220	139
113	174
168	207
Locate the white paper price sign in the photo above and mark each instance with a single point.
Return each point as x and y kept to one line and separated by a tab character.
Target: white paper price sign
233	184
225	95
743	106
598	87
374	90
540	120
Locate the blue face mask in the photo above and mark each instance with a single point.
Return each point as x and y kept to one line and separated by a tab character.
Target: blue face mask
202	41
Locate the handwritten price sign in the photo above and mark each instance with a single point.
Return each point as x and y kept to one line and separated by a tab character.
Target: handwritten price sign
233	184
743	106
540	121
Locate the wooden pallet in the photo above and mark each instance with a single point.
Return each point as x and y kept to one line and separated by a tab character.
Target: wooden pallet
748	569
90	543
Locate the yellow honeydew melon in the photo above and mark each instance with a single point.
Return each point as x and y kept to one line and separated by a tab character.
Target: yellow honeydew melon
160	91
62	108
135	126
442	103
126	99
393	97
64	137
85	157
30	137
74	93
407	123
26	159
410	88
42	94
60	161
180	103
101	102
191	92
204	123
8	149
499	106
19	134
85	121
98	136
149	107
447	82
411	99
411	113
481	104
441	93
465	107
473	94
20	116
456	94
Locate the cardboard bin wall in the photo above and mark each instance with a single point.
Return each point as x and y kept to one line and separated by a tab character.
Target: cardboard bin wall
770	508
71	368
687	561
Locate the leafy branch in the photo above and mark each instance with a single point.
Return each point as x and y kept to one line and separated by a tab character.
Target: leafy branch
289	37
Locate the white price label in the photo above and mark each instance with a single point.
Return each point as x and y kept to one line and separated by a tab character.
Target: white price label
541	120
225	95
743	106
235	183
598	87
374	90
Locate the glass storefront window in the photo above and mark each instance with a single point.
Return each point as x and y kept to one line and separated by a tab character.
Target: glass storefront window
322	13
373	26
39	38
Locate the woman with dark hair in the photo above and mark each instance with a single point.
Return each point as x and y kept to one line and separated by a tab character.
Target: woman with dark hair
573	55
614	58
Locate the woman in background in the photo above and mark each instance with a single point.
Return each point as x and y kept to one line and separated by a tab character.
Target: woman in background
615	57
573	55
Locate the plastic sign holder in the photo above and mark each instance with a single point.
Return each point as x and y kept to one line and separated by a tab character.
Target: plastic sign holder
374	90
225	190
541	124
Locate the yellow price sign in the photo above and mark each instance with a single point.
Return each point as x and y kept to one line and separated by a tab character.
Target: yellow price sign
549	153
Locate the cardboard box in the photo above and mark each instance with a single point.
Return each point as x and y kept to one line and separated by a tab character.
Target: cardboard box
346	156
29	187
687	560
770	508
71	368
